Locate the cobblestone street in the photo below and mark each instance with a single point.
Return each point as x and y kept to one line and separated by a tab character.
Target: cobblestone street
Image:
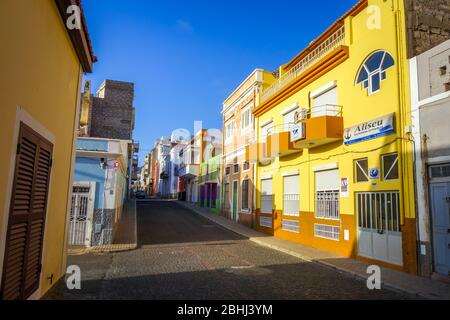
181	255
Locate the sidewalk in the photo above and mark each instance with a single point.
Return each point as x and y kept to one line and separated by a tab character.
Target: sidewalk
125	238
419	286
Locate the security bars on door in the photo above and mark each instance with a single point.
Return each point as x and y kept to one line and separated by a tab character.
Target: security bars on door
379	211
78	215
327	204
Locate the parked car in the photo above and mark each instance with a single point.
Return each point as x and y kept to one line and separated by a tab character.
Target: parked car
140	195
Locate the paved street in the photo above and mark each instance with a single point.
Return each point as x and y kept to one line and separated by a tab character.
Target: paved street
181	255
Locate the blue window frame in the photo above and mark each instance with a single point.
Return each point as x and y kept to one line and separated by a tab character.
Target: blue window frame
373	71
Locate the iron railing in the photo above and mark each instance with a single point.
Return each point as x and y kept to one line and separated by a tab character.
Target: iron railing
379	211
291	205
332	42
327	204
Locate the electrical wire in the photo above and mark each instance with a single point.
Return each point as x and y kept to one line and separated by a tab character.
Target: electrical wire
347	152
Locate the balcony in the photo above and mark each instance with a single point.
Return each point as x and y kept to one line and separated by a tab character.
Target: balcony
322	125
257	152
317	52
189	171
279	142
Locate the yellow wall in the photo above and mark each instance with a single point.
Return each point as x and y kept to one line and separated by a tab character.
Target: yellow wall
357	108
40	72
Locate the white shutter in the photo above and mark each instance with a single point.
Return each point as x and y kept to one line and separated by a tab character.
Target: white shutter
265	130
291	185
266	196
266	187
291	204
320	103
327	180
288	119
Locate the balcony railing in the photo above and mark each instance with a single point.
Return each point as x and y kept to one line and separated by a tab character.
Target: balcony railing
331	110
332	42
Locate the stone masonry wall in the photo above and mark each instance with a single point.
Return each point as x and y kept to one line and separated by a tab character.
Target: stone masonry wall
112	116
428	24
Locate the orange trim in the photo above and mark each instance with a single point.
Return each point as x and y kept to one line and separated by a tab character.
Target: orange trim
361	5
380	263
329	62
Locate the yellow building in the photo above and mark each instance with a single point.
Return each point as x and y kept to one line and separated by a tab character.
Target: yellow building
334	164
42	63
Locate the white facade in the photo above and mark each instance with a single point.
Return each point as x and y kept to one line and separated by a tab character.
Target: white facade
430	110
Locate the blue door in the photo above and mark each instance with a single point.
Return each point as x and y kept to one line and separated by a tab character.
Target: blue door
440	207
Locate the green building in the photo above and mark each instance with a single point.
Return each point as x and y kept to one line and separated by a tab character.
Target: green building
210	184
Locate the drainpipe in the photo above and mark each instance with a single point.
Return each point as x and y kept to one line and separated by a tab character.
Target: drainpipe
104	199
402	144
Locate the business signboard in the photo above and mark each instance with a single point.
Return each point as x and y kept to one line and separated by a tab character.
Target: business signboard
371	129
297	131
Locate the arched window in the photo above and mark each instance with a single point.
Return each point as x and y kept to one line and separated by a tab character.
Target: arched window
373	71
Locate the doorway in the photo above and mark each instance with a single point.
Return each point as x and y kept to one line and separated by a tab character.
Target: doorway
440	215
234	212
379	235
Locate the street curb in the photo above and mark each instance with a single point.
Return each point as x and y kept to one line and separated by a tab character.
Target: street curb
386	285
110	248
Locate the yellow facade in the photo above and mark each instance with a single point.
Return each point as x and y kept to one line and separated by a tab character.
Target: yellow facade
361	39
40	85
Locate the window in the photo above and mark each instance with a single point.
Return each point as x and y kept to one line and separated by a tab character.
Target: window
229	128
390	166
236	168
246	118
327	194
226	196
266	196
440	171
245	195
325	104
266	130
227	171
373	71
361	170
291	201
291	225
246	166
326	231
289	119
443	70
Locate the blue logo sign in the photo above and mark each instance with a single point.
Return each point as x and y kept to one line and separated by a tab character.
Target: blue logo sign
374	173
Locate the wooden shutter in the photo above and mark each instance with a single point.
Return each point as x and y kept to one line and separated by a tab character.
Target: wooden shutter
25	235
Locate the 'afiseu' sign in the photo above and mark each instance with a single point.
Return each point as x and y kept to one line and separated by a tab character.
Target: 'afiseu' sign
372	129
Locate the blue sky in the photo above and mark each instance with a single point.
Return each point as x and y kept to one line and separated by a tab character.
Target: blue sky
186	57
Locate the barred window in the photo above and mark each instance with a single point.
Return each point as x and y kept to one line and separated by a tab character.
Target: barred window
327	194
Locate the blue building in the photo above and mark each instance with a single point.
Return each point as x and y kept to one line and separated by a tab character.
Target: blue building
99	190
